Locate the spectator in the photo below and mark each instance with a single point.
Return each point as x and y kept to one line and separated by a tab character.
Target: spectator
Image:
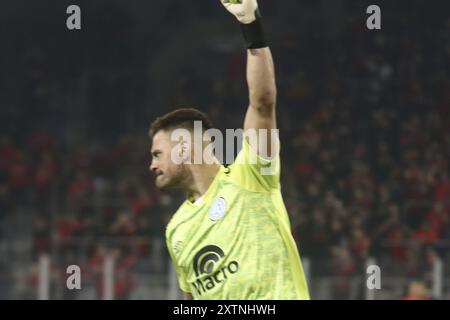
417	290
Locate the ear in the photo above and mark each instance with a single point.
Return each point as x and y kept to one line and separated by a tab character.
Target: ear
180	146
185	151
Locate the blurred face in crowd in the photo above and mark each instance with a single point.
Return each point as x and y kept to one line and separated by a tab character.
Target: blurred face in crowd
418	290
169	175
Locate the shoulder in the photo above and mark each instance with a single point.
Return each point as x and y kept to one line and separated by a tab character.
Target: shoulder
255	172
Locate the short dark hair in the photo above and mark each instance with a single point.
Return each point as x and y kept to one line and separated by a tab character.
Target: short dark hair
180	118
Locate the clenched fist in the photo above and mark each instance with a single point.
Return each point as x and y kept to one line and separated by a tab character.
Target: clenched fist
243	10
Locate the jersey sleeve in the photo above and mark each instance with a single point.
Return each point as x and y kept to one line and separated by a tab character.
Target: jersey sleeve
255	172
181	276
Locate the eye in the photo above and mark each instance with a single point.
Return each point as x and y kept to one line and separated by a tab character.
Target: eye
156	154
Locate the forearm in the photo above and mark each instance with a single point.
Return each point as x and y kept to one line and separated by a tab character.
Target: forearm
261	78
261	113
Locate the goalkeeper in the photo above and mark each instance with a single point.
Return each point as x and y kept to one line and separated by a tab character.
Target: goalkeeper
231	238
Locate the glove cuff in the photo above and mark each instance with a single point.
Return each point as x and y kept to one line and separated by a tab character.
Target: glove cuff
254	33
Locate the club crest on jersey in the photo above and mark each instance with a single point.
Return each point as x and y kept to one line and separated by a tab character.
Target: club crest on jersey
218	209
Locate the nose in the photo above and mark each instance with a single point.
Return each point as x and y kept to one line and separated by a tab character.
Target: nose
153	167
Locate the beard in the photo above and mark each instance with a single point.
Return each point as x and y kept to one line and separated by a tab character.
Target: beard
166	181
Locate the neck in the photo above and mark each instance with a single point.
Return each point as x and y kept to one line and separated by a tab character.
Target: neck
202	176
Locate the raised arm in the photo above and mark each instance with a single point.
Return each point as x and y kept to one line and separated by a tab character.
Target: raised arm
262	98
260	77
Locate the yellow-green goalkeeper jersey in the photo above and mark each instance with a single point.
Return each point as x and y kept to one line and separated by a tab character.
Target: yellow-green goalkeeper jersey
237	243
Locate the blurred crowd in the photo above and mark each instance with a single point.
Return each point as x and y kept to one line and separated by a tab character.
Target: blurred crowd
365	130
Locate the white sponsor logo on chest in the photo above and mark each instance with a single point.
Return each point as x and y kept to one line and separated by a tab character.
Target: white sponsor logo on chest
218	209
